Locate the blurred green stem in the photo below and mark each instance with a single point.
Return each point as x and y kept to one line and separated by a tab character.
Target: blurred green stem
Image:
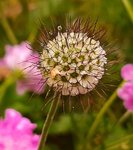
117	143
8	81
129	8
14	76
100	115
8	30
48	122
124	117
111	115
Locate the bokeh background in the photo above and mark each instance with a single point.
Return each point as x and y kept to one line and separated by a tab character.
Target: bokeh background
20	21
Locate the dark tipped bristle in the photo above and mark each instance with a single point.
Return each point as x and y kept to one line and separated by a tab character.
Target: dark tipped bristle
77	25
92	30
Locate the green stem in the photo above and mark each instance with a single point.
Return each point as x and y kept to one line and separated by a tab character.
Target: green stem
129	9
111	115
4	86
9	81
8	30
101	113
124	117
118	142
48	122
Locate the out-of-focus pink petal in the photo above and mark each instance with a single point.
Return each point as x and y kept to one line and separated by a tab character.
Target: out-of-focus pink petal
16	132
127	72
126	94
2	63
34	81
17	54
126	91
25	126
33	78
129	104
4	70
11	114
2	147
22	58
21	88
35	139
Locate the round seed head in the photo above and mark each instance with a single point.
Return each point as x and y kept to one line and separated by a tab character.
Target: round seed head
73	62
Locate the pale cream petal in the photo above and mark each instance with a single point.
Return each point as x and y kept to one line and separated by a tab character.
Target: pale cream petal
74	91
65	91
82	90
73	80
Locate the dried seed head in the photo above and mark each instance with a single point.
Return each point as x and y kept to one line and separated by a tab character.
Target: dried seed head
73	62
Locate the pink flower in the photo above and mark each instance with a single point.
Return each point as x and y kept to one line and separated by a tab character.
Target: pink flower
16	132
127	72
126	91
22	58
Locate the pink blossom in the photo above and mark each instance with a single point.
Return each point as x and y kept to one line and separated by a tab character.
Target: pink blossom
16	132
126	91
127	72
22	58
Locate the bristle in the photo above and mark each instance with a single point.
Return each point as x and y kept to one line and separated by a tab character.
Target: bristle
75	59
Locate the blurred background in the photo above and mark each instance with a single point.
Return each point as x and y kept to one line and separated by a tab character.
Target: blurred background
19	21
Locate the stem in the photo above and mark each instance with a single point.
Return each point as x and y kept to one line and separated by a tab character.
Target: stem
128	8
48	122
8	30
112	115
118	142
101	113
8	81
124	117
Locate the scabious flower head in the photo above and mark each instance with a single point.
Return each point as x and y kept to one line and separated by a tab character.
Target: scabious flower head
16	132
126	91
73	59
21	58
